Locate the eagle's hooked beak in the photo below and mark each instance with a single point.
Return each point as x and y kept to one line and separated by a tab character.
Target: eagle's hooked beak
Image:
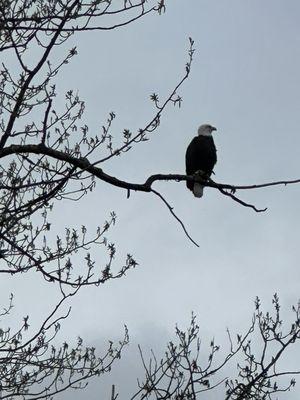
213	128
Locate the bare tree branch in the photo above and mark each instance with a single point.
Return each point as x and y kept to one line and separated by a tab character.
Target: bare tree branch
175	216
85	166
183	372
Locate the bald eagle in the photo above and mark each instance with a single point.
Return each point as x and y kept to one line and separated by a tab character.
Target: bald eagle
201	157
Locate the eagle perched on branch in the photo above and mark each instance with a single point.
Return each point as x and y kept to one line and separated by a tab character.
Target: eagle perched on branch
201	157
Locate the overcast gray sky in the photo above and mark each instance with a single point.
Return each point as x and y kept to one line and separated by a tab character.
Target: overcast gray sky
245	80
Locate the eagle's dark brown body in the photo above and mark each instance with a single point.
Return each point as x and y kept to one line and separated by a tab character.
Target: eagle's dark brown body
201	155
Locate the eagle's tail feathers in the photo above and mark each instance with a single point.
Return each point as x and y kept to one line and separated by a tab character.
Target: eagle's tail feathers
198	189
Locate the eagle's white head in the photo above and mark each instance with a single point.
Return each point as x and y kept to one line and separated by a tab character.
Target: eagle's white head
206	130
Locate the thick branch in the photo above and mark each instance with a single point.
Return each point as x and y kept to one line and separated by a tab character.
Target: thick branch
84	165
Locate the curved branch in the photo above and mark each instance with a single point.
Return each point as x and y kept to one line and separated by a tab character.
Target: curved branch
211	183
175	216
85	166
243	203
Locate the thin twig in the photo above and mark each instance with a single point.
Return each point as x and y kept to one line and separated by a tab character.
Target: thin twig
46	121
243	203
175	216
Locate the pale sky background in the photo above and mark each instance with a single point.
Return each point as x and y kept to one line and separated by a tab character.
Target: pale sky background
245	80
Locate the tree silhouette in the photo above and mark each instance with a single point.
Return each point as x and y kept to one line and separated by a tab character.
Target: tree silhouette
187	371
48	157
